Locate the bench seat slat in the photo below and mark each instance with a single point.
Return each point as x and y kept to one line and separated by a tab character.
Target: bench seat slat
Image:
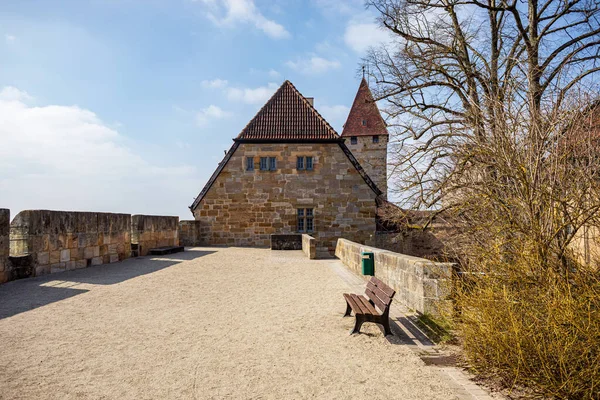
355	304
368	305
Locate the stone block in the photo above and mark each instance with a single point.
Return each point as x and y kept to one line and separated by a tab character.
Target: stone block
54	257
43	258
71	265
114	258
80	264
96	260
65	255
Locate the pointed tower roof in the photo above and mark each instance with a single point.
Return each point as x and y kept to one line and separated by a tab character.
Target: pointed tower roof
364	118
288	116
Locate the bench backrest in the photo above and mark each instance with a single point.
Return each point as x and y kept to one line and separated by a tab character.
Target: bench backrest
380	294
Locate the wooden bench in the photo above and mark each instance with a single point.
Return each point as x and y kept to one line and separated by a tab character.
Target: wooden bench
375	308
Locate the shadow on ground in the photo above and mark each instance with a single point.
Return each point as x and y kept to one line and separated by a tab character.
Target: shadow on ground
28	294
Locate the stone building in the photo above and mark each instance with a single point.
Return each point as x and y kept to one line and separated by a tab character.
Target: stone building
289	171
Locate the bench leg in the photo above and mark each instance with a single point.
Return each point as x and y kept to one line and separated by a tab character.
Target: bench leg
386	326
348	310
357	324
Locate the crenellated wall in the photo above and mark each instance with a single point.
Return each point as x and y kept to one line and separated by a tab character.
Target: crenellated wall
420	284
65	240
151	231
4	245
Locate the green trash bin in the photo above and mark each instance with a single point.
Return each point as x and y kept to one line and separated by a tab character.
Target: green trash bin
368	263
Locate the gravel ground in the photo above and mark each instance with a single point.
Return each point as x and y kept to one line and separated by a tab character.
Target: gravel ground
210	323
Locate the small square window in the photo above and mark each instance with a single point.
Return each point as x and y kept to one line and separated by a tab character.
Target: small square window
353	140
309	163
364	122
263	163
249	163
375	139
272	163
300	163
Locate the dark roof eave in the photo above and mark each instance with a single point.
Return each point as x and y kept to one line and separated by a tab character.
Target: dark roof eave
337	140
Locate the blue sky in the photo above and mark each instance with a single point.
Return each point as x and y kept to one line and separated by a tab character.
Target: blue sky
128	105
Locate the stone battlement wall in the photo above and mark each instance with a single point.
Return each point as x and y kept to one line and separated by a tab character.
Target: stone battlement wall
4	245
193	233
150	231
420	284
65	240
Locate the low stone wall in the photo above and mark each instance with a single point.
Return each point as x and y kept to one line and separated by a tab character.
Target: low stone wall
309	246
420	284
287	241
151	231
193	233
65	240
4	245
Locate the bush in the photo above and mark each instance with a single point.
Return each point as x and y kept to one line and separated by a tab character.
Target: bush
539	331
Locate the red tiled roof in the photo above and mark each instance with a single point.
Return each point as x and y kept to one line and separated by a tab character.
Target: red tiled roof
288	116
364	109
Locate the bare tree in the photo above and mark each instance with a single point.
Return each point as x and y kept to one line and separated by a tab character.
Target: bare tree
497	126
479	90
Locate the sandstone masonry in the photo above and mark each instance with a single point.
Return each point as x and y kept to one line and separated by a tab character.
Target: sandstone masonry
243	208
150	231
64	240
4	244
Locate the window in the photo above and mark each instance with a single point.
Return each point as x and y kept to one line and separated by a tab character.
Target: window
304	163
353	140
305	220
309	163
249	163
375	139
364	122
300	163
263	163
272	163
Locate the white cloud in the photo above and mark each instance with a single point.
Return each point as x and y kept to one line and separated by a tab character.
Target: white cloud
360	36
313	65
257	95
215	83
210	113
336	115
10	38
66	157
274	74
230	13
10	93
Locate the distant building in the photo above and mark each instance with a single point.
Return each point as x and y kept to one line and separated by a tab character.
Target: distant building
288	171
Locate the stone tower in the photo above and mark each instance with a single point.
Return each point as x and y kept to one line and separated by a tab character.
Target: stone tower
366	135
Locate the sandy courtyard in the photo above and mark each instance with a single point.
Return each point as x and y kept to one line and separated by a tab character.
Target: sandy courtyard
209	323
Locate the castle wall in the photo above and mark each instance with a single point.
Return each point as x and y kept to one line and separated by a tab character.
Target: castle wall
4	244
243	208
372	157
64	240
151	231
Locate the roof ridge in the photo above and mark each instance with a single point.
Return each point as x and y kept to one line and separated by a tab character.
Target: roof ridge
288	115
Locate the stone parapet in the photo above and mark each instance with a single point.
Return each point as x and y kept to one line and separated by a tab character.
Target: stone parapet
65	240
151	231
420	284
4	244
309	246
193	233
